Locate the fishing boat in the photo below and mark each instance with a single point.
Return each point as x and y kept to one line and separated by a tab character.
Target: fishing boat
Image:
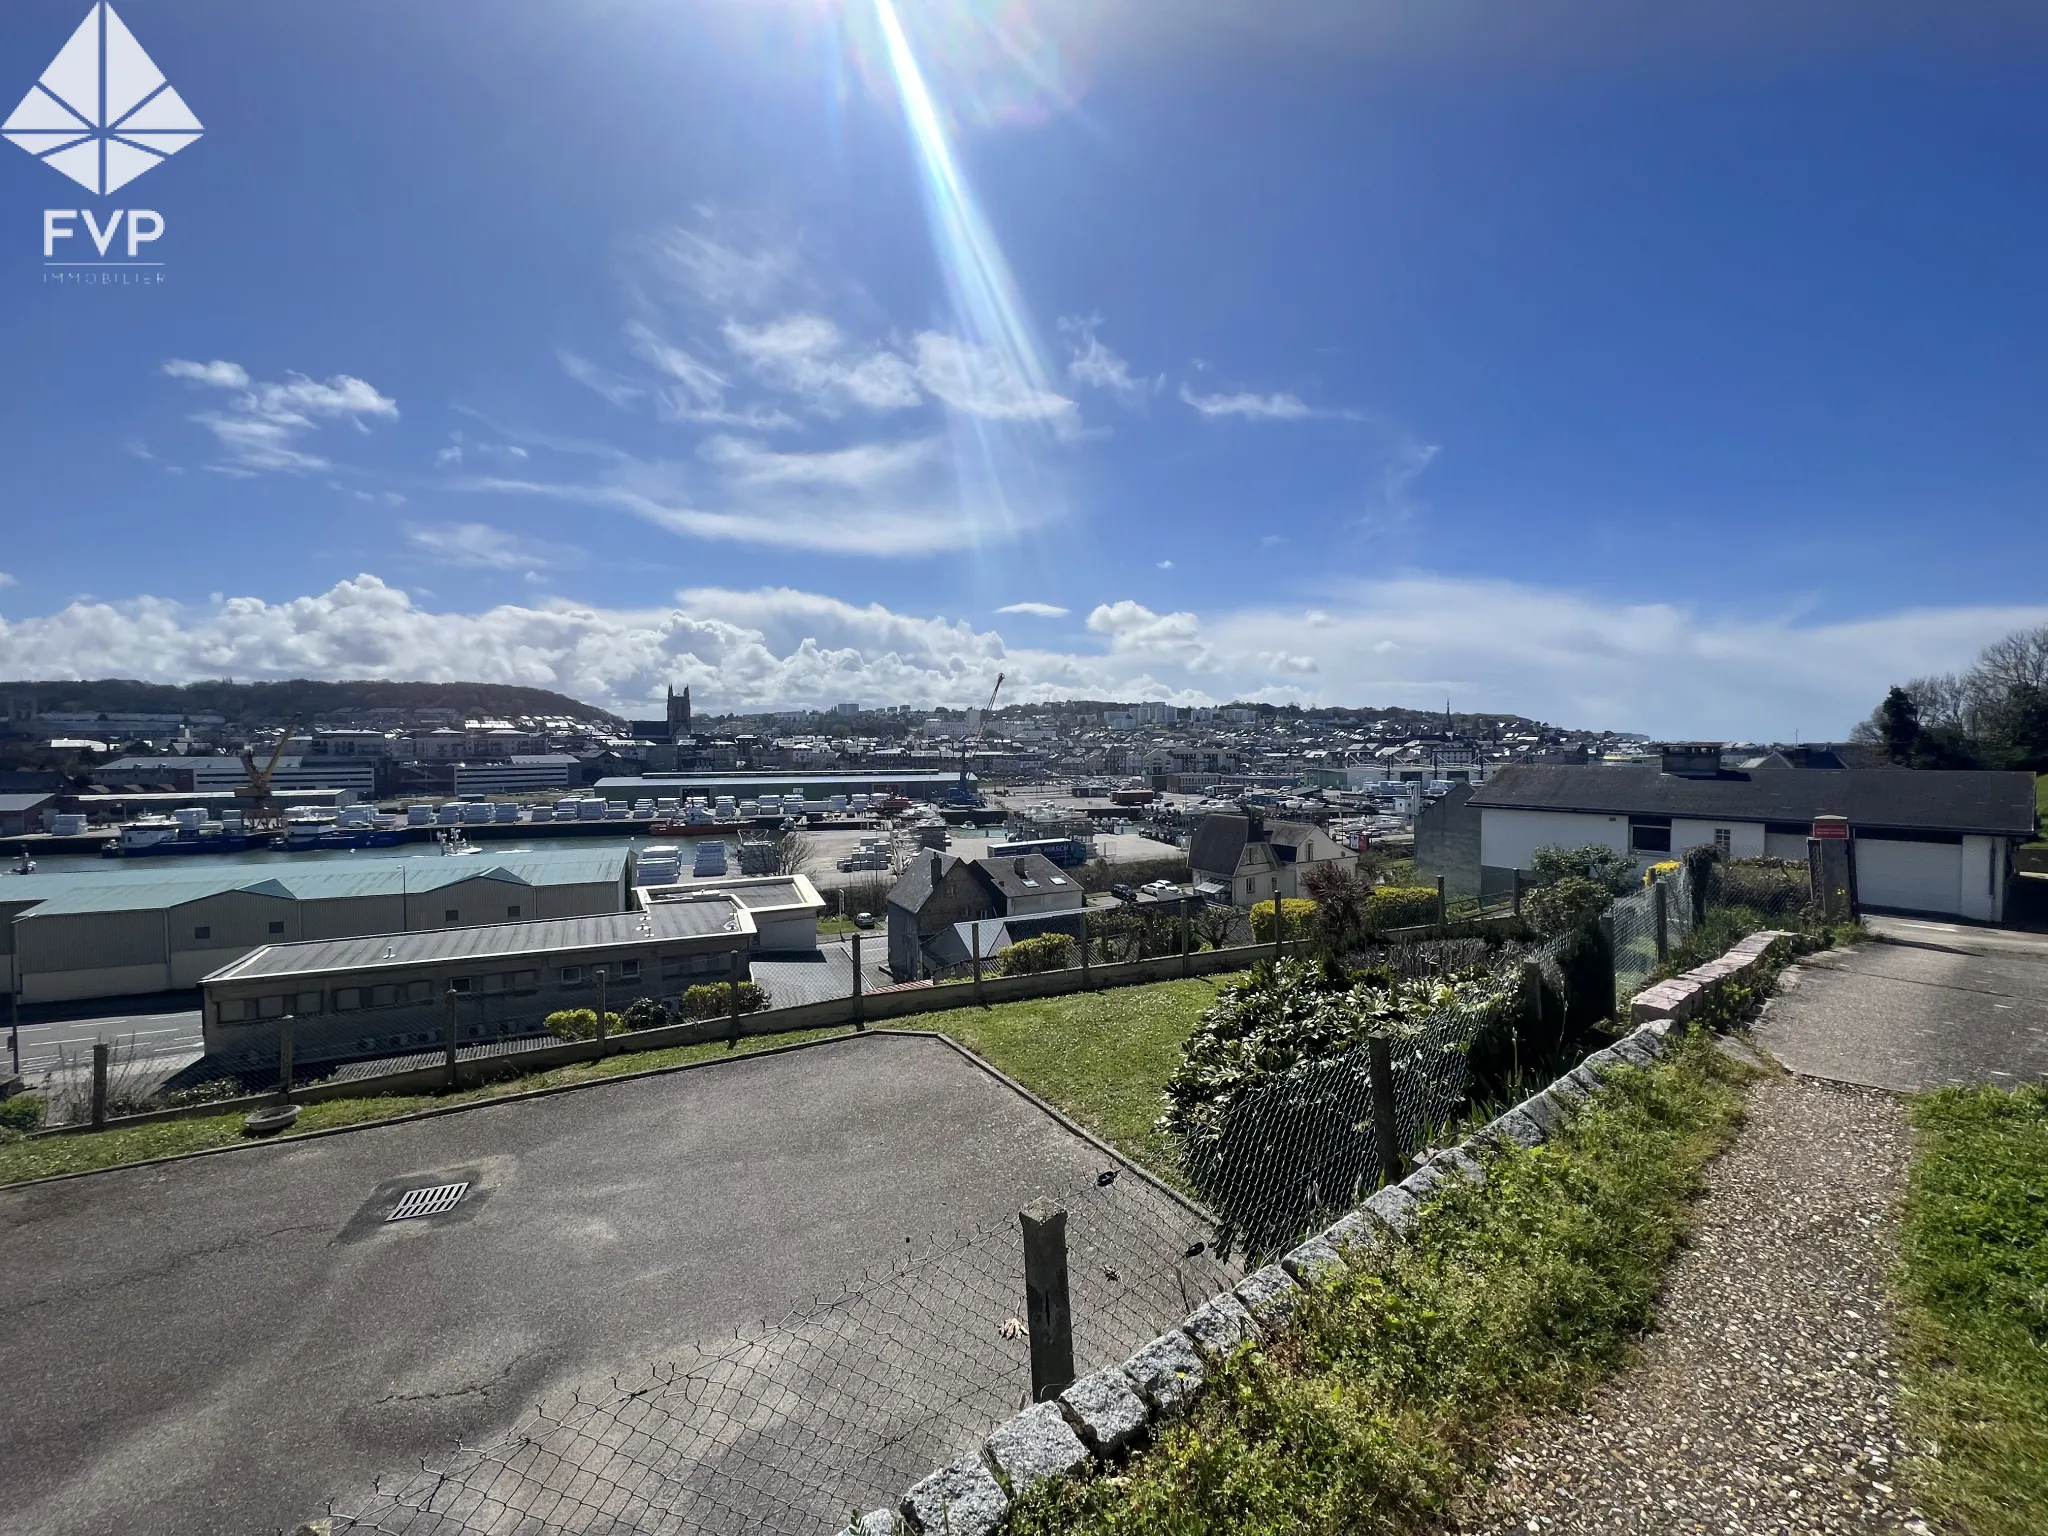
185	832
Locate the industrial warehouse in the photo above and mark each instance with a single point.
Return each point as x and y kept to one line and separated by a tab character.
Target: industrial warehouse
363	996
75	936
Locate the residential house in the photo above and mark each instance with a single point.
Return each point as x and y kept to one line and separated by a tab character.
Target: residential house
1926	841
940	894
1254	860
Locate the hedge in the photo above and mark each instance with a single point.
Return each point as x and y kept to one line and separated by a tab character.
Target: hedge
581	1024
1298	912
713	999
1400	906
1047	952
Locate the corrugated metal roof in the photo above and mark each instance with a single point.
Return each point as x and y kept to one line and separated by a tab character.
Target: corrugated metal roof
129	890
386	951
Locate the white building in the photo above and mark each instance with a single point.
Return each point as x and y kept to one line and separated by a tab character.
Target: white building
1924	841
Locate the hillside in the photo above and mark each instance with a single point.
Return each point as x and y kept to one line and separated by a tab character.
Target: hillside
257	703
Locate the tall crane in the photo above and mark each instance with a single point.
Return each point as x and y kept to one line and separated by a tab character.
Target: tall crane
968	741
255	793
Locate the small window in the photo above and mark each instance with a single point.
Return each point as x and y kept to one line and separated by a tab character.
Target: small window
458	985
1650	839
452	915
493	983
513	910
348	999
673	966
384	996
1723	841
629	970
572	975
277	927
419	991
273	1008
202	933
305	1003
521	979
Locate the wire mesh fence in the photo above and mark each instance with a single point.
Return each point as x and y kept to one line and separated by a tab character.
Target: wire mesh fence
837	1408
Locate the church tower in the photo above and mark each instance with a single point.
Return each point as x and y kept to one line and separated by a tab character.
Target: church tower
678	714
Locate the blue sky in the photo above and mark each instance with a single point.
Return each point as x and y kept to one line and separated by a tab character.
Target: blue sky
1683	375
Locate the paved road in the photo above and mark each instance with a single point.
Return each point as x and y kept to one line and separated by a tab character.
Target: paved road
223	1344
1930	1004
49	1046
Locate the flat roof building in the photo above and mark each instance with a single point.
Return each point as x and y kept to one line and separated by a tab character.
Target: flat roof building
813	786
376	994
133	931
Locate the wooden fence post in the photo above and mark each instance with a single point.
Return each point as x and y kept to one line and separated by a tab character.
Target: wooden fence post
976	931
857	1004
1049	1316
1443	913
1187	922
99	1084
1380	1064
284	1057
601	1009
1279	923
449	997
1660	907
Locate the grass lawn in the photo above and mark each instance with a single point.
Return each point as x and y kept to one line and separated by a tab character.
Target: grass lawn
1102	1057
41	1156
1974	1272
1379	1408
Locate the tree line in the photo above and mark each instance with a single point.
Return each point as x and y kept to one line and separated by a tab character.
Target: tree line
1993	715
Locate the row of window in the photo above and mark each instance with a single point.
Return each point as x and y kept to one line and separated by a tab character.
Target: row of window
448	915
413	993
1657	839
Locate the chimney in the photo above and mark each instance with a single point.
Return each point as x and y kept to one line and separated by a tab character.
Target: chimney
1690	759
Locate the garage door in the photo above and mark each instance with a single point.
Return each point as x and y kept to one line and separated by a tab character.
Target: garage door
1918	877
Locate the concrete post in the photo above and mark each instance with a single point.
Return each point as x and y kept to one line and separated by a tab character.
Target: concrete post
601	1010
284	1057
1187	942
13	1028
1379	1058
450	997
732	994
1048	1314
858	1011
1279	924
976	931
1086	943
1443	913
99	1084
1613	1002
1518	893
1660	909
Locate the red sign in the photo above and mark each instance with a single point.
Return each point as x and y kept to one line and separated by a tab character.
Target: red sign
1831	826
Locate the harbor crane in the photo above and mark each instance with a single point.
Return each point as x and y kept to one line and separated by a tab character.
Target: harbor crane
257	801
967	742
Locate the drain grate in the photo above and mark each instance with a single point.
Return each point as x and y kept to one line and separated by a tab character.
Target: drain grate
428	1202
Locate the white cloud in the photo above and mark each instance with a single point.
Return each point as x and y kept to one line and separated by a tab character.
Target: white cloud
263	425
7	580
620	391
1165	565
982	382
1253	407
1491	645
700	382
479	546
1096	366
1036	610
808	355
864	465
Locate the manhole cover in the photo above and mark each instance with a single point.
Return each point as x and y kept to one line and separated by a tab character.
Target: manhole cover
428	1202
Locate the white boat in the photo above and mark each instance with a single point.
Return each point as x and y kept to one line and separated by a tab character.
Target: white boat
454	843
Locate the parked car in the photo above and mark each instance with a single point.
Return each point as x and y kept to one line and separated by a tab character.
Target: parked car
1123	892
863	919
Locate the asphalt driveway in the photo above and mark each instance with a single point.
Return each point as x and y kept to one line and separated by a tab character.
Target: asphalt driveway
1931	1004
227	1343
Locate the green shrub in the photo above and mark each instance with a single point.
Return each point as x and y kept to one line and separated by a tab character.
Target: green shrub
1298	913
713	1000
580	1023
1589	861
1400	906
1780	887
1030	957
1570	905
645	1013
22	1113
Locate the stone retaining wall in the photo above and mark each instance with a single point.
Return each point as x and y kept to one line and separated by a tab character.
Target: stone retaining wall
1683	996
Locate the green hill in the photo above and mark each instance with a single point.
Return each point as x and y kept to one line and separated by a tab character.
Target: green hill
309	701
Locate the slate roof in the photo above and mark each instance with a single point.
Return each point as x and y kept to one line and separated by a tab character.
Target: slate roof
914	887
1024	875
1219	842
1890	799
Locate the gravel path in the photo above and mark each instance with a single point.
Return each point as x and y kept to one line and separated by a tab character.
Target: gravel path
1763	1401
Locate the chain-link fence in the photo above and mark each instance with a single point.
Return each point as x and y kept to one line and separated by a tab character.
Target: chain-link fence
1286	1156
837	1408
